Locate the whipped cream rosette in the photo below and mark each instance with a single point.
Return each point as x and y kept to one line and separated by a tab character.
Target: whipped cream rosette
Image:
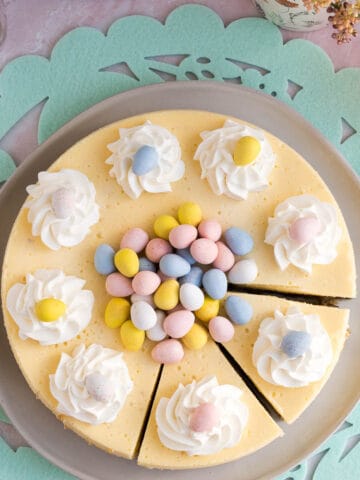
292	350
304	231
62	208
146	158
235	159
92	384
202	417
50	307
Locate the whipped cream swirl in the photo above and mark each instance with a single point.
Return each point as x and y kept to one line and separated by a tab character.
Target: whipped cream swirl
274	366
169	168
71	227
173	417
321	249
69	384
22	298
215	154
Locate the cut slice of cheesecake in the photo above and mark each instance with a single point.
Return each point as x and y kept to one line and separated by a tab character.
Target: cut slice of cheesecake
289	402
197	364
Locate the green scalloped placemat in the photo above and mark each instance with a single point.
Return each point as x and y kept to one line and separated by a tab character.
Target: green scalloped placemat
87	66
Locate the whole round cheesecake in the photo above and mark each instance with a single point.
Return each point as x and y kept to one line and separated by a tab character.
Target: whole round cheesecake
134	244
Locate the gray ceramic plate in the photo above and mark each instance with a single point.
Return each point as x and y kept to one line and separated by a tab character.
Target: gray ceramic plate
40	427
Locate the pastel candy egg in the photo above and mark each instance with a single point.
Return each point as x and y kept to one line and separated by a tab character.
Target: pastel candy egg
168	351
209	309
142	298
127	262
295	343
196	337
118	285
63	202
215	283
167	295
145	160
146	265
142	315
191	296
194	276
117	311
239	311
174	266
303	230
157	248
99	387
49	309
145	283
204	250
182	236
244	271
221	329
132	338
157	333
204	418
246	150
135	238
190	213
163	226
210	229
225	258
239	241
177	324
104	259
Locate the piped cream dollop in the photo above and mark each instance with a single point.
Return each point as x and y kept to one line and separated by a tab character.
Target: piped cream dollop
173	417
225	177
92	384
275	366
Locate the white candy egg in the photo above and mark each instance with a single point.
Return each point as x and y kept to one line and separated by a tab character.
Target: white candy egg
99	387
244	271
63	202
191	296
157	333
142	315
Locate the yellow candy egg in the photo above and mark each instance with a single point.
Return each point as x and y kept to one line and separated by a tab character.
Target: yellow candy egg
132	338
167	295
116	312
163	225
209	309
196	338
49	309
190	213
246	151
127	262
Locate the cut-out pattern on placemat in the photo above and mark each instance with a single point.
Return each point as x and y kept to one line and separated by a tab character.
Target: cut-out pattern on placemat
87	66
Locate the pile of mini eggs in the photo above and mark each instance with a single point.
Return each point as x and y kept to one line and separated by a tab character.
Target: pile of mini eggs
161	286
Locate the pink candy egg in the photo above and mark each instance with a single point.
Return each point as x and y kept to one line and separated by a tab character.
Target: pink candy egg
204	250
221	329
157	248
118	285
303	230
204	417
225	258
182	236
135	238
145	282
210	229
168	351
177	324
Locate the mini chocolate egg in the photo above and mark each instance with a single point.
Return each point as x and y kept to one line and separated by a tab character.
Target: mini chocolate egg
246	150
142	315
163	226
204	250
168	351
145	160
221	329
303	230
131	337
146	265
117	285
225	259
127	262
238	310
190	213
182	236
135	238
196	337
142	298
99	387
157	248
210	229
204	417
209	309
295	343
63	203
49	309
166	296
174	266
244	271
239	241
104	259
215	283
194	276
177	324
157	333
117	311
145	283
191	296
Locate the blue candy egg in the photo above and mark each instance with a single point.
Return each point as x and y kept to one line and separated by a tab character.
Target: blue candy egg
174	266
295	343
145	160
186	255
215	283
146	264
239	241
104	259
194	276
239	311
